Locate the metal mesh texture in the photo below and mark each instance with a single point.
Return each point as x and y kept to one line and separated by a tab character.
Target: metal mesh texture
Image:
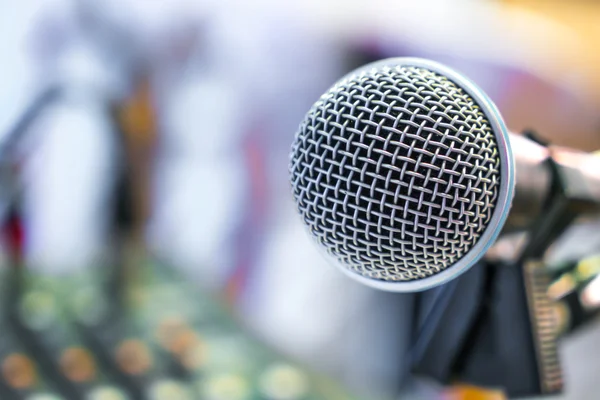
396	172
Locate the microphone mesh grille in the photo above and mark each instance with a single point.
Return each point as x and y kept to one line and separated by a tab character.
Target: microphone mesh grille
396	172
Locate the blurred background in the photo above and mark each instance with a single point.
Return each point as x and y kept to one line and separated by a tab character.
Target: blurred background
149	243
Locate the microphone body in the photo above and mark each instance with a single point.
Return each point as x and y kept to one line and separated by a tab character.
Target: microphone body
533	179
534	163
405	174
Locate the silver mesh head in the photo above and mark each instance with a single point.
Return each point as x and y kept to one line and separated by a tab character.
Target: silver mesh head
397	172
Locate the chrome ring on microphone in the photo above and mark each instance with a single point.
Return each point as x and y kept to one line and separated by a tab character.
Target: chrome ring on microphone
493	225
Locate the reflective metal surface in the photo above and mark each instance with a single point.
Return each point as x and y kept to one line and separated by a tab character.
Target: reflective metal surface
403	174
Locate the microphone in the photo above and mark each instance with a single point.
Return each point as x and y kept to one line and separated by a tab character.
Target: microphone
403	174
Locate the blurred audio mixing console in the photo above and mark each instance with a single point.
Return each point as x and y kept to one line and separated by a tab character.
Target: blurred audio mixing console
81	337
